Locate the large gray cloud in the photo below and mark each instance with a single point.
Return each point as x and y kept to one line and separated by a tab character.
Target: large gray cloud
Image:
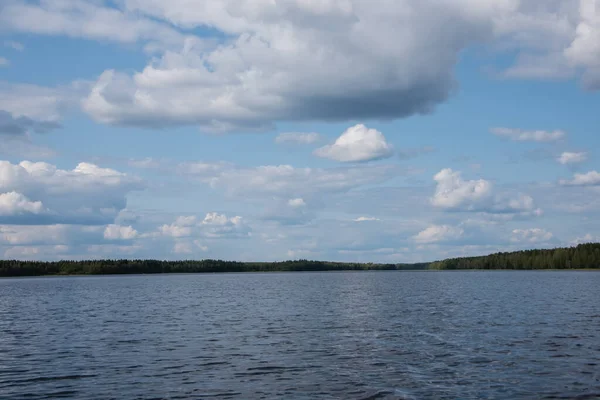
295	60
260	62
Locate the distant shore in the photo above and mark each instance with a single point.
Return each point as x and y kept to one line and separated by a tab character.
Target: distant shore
583	257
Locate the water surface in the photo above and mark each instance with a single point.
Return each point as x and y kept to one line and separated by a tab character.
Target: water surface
350	335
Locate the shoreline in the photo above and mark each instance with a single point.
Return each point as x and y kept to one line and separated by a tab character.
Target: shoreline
296	272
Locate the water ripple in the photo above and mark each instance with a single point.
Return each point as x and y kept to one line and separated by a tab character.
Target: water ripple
357	336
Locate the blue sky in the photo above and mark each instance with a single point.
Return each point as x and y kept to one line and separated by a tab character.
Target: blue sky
348	130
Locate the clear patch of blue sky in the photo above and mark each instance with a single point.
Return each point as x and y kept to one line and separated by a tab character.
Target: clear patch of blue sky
58	60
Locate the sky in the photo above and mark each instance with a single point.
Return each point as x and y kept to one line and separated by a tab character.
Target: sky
346	130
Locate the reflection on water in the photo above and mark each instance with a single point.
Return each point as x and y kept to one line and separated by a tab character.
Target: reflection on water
355	335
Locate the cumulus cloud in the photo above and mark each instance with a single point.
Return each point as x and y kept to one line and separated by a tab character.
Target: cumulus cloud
217	225
13	203
591	178
572	158
264	62
182	227
118	232
534	235
357	144
439	233
214	226
556	39
584	50
295	60
453	193
529	136
297	138
4	62
86	194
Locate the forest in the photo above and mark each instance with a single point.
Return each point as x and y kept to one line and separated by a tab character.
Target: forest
105	267
584	256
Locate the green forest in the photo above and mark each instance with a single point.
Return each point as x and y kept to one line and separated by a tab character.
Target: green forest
584	256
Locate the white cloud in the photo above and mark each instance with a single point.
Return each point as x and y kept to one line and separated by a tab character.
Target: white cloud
357	144
299	202
85	19
366	219
118	232
85	194
13	203
285	180
587	238
439	233
584	50
455	194
591	178
529	136
452	192
217	225
175	230
297	138
187	220
214	225
44	105
555	39
572	158
4	62
296	60
535	235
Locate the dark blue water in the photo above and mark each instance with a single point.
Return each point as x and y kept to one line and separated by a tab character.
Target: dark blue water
375	335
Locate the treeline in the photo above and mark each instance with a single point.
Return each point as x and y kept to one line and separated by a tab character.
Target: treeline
584	256
105	267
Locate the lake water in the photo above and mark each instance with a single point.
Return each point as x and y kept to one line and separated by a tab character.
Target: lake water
354	335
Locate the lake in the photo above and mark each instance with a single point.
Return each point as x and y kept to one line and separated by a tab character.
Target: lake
346	335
